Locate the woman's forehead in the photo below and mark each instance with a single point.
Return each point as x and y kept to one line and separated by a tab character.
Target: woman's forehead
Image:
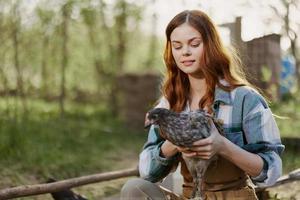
184	32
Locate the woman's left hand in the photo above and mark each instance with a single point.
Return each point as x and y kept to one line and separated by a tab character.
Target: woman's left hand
208	147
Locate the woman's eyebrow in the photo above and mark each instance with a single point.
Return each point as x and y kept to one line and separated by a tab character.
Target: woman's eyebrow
193	38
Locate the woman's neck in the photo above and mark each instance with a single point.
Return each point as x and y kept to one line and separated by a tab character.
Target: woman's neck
197	91
197	87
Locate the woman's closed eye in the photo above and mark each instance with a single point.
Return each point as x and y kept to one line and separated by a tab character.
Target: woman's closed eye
192	45
195	45
177	46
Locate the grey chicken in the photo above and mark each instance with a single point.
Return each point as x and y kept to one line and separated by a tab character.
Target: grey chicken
183	129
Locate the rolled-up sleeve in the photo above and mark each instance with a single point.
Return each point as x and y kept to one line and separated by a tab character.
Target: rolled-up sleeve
152	166
262	137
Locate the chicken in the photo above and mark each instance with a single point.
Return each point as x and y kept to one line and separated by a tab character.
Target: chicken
183	129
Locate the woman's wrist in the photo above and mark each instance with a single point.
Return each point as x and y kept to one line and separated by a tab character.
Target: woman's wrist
223	151
251	163
168	149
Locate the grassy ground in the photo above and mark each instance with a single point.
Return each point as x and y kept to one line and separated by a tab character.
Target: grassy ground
87	140
41	144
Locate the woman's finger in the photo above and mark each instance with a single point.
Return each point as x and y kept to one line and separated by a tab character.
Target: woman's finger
203	142
190	155
186	151
206	148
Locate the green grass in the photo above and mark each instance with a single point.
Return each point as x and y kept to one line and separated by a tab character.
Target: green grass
41	144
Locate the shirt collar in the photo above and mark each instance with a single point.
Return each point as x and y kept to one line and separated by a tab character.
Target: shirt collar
222	96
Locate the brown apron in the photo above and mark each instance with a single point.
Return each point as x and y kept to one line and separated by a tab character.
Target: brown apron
222	180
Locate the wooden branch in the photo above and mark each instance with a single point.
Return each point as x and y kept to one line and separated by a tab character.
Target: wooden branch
292	176
28	190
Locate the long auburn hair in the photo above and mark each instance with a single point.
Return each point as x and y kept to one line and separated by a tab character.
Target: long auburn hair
216	63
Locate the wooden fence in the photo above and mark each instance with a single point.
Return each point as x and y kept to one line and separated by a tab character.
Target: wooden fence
44	188
30	190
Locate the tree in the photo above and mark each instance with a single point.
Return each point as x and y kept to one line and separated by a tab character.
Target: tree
15	36
65	12
3	39
45	17
153	44
289	30
109	43
98	32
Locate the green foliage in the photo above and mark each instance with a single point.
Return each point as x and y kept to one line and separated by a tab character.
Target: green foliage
287	117
99	32
266	73
40	144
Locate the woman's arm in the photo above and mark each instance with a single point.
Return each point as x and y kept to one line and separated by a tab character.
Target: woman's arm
168	149
262	138
159	156
153	165
260	155
251	163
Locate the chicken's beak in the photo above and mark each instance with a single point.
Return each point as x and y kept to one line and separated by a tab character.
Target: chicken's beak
147	124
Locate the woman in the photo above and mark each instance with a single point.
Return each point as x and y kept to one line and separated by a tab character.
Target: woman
201	74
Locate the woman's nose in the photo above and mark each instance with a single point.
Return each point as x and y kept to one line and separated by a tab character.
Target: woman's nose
186	51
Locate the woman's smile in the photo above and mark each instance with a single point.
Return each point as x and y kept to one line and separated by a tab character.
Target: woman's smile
188	63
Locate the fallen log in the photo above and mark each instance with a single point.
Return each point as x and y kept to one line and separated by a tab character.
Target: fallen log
262	192
29	190
292	176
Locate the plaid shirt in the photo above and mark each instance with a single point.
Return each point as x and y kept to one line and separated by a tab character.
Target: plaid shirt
247	121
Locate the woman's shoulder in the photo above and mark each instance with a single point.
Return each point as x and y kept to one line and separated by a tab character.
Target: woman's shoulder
250	96
244	91
248	92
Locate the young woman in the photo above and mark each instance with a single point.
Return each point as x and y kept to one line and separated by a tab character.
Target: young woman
202	74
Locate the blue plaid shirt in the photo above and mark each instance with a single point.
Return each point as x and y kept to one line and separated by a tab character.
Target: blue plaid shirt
247	121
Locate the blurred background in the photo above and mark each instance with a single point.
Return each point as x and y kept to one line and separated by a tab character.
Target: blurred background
77	77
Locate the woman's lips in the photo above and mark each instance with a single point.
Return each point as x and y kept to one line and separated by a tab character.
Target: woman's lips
188	62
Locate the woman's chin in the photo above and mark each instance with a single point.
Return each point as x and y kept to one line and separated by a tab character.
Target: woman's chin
196	73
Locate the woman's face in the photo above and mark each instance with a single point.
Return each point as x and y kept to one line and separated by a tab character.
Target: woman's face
187	49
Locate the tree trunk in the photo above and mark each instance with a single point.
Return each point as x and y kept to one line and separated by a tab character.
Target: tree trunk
295	55
121	25
3	76
19	75
64	63
44	72
152	46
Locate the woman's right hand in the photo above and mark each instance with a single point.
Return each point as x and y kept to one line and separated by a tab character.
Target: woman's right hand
187	152
169	149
